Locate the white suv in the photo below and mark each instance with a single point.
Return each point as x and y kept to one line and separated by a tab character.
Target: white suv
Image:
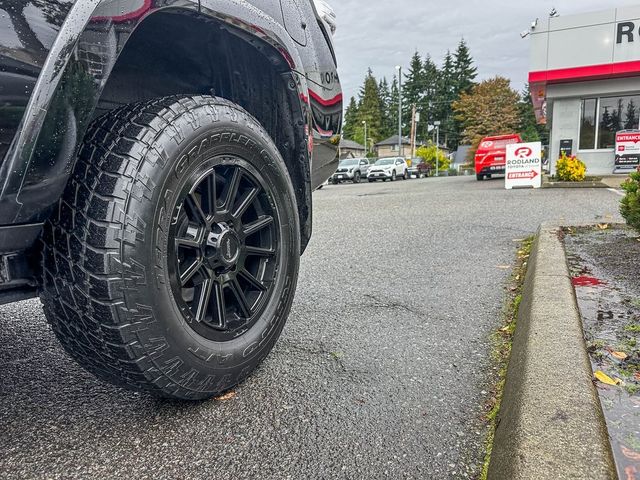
389	169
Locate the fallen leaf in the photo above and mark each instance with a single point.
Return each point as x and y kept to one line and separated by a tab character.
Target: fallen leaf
503	267
603	226
631	471
604	378
636	375
227	396
619	355
630	454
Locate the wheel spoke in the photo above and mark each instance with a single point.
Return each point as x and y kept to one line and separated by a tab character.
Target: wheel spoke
187	243
220	308
190	271
253	281
246	201
245	310
194	210
260	252
204	300
232	189
258	225
211	194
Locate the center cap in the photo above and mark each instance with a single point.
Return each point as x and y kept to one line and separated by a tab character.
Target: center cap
228	247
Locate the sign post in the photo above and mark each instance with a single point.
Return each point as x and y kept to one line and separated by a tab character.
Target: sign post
627	151
524	165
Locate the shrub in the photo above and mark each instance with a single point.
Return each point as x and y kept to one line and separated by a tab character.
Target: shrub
570	169
630	204
429	153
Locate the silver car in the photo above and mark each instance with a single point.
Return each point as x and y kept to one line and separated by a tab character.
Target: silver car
351	169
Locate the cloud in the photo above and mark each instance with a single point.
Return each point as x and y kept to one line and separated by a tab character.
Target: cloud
382	34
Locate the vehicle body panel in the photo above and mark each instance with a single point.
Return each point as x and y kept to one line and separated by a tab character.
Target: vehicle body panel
490	158
56	59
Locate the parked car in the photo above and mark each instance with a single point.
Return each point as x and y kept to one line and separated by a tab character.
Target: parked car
419	168
155	190
389	169
351	169
491	156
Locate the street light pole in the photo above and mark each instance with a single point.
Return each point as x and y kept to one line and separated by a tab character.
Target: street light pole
399	68
364	122
437	125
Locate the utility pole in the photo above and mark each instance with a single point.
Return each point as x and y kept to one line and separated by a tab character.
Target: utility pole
399	68
413	130
364	122
437	125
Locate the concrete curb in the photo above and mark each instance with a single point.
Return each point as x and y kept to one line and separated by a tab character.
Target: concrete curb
550	424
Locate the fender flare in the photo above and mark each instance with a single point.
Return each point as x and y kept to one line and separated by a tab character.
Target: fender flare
26	197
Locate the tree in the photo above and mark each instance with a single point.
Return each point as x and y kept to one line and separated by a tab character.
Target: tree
464	71
428	103
631	116
350	119
527	123
490	108
445	95
388	127
393	105
369	111
413	90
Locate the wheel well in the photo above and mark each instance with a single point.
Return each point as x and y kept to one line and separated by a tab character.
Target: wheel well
174	52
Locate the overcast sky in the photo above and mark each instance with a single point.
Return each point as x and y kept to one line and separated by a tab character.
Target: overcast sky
382	34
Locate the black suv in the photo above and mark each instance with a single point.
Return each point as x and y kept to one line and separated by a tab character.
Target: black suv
156	177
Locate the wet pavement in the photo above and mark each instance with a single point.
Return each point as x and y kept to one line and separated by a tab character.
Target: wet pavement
382	370
604	265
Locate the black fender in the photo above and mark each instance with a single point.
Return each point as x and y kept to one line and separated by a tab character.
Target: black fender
41	157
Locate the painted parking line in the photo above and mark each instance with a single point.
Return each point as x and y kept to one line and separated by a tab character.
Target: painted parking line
615	190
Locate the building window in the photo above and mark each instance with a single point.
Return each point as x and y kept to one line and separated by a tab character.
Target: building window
613	114
588	123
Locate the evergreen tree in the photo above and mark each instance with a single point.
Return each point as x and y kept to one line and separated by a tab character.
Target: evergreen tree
385	104
530	131
464	71
428	105
350	119
445	95
393	107
369	111
631	116
413	91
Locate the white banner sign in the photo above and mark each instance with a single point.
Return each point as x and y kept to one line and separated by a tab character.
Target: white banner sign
524	165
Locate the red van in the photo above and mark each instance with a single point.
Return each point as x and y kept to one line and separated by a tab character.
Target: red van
491	156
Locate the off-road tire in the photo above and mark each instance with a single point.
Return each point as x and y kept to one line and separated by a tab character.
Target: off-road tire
479	177
393	176
107	286
405	175
356	177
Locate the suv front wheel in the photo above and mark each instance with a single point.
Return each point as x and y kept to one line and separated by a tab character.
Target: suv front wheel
171	261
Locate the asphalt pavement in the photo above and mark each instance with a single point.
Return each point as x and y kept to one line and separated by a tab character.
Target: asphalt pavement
381	371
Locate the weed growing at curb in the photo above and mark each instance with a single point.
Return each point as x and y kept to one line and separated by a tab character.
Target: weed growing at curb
502	341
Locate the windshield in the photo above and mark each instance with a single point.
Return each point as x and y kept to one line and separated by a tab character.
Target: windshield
349	162
386	161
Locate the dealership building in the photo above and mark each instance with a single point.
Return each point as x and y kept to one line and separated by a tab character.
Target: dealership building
585	84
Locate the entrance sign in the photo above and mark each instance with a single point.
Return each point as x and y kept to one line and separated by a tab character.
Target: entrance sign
524	165
627	151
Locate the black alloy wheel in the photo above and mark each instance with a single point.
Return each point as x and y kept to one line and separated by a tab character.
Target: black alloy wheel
219	251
